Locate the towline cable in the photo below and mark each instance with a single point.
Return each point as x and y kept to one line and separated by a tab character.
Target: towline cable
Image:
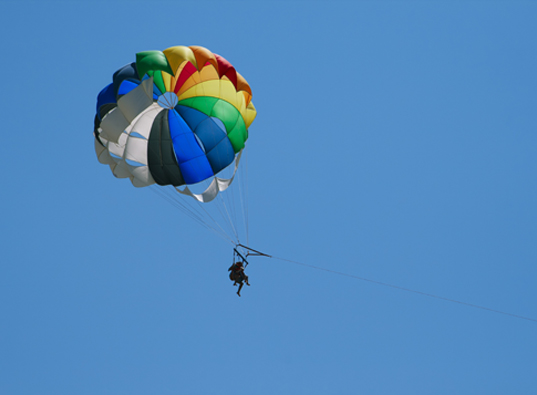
405	289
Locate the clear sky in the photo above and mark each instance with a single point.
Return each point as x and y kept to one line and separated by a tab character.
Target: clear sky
395	141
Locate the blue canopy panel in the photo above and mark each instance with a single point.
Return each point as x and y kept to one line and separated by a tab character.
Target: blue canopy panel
218	148
191	116
156	92
212	135
106	96
190	156
127	86
127	72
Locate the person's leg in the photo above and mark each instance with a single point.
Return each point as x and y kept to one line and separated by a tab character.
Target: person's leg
235	278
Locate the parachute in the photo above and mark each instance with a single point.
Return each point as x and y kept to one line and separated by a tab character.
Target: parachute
177	119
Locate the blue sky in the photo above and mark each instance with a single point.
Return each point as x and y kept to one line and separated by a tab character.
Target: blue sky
395	141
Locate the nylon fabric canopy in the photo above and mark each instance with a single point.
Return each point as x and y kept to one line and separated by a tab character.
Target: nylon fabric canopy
176	117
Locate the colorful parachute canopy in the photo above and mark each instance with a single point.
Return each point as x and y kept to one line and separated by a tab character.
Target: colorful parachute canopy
176	117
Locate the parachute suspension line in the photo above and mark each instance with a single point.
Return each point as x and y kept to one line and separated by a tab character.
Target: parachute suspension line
177	202
218	205
212	218
243	193
183	205
190	212
236	199
405	289
246	187
166	196
231	199
228	217
240	209
226	201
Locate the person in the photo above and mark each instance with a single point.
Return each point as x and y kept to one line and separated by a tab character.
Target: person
238	276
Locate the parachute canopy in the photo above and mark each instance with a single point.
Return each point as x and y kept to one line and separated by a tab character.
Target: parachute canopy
176	117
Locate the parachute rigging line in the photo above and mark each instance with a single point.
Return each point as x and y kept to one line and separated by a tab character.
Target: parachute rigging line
181	204
406	289
243	189
230	221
